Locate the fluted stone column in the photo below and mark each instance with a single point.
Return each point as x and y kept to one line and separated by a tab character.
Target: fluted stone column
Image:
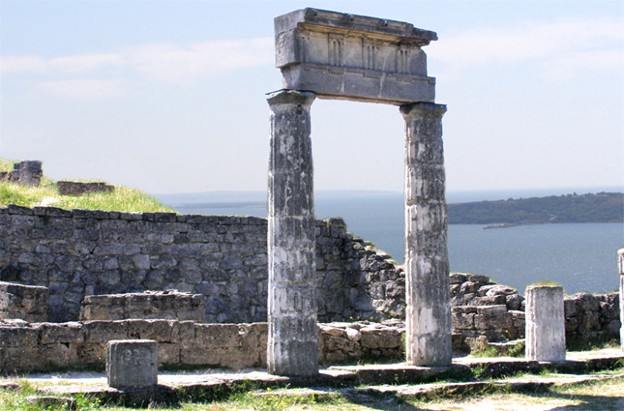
428	313
545	323
292	308
621	271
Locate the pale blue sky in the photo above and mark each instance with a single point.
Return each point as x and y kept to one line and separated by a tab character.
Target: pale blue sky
169	96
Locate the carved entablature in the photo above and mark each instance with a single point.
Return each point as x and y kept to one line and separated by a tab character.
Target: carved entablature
344	56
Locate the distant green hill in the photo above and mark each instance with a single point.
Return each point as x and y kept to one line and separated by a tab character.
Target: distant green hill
571	208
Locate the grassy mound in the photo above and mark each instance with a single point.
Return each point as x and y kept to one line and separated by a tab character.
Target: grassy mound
47	194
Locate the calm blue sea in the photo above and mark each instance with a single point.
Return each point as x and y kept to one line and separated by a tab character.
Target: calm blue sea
581	257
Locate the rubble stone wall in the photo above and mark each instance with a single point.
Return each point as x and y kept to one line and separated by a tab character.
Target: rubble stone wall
481	307
78	253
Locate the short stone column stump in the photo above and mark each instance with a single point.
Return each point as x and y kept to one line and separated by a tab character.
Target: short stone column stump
132	364
545	323
621	271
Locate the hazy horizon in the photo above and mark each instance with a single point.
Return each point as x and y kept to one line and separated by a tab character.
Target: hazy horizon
451	196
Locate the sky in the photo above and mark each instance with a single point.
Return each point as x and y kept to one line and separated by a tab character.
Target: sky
170	96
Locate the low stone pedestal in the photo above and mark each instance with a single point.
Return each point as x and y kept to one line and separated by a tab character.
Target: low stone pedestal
24	302
621	271
132	364
545	323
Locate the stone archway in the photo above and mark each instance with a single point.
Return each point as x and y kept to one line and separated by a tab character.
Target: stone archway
333	55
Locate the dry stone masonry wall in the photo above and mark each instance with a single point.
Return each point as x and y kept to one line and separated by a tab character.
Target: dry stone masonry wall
79	253
28	347
84	253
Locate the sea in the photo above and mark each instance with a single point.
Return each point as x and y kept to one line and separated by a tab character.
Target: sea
580	257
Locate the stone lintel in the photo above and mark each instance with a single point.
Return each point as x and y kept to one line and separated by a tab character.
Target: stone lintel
345	22
347	57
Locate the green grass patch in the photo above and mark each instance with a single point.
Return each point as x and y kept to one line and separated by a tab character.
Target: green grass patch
121	199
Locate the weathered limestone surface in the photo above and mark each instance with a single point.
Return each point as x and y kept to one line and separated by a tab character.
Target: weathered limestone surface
132	363
428	315
345	56
621	271
34	347
545	323
164	305
25	302
292	305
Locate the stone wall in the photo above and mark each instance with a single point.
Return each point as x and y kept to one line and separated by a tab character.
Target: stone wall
78	253
47	346
482	308
76	188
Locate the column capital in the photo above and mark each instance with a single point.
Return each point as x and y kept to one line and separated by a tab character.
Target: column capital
286	96
422	110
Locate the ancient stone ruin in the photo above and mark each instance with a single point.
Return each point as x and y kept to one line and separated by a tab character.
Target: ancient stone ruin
132	291
27	173
342	56
76	188
30	173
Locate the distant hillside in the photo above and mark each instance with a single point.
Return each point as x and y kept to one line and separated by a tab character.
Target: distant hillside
571	208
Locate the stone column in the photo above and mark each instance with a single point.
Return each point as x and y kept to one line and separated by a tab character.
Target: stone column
545	323
428	312
621	271
292	308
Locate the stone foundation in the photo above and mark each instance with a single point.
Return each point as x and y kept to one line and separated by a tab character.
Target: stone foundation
34	347
164	305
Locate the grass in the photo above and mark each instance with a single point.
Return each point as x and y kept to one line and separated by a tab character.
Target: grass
120	199
599	395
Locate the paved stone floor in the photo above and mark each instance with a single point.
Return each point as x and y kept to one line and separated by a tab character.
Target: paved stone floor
479	374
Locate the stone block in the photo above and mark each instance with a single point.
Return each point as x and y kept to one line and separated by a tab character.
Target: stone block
25	302
338	55
462	321
132	363
59	355
102	331
211	336
499	321
65	333
161	331
145	305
